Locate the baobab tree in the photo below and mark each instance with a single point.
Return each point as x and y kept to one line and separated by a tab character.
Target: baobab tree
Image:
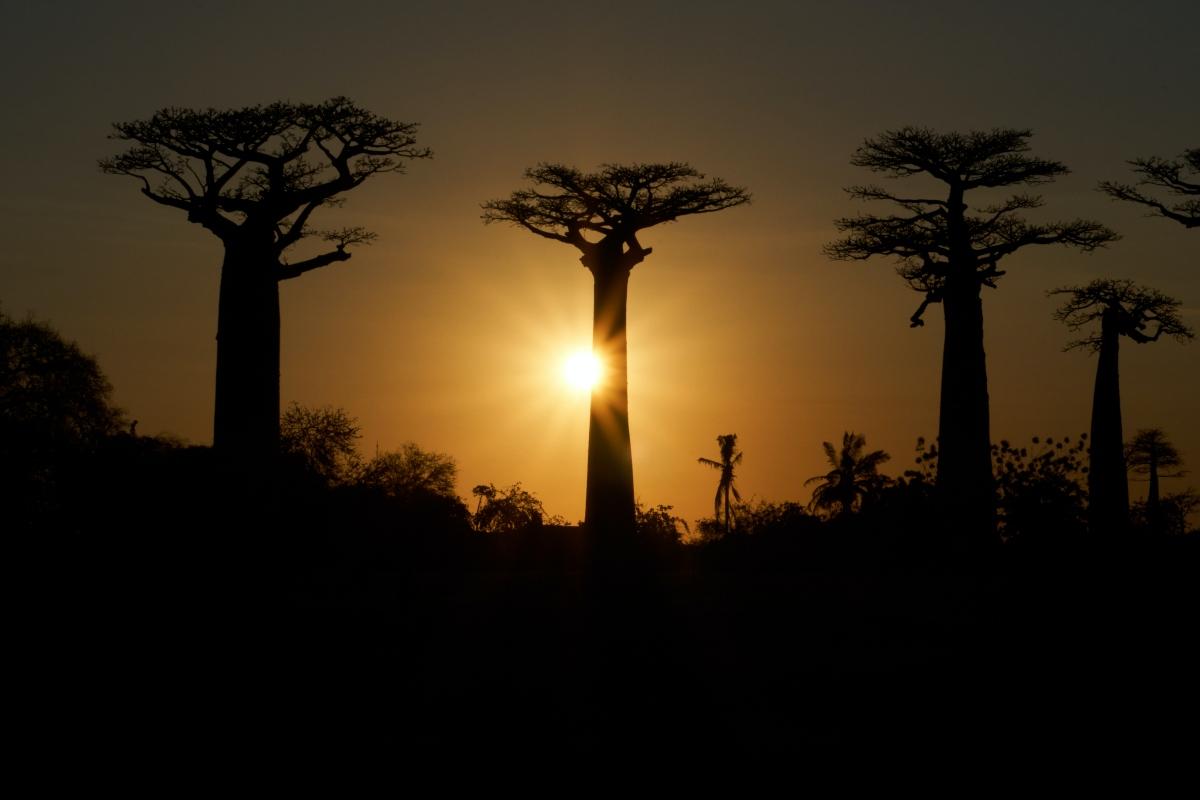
1152	454
601	214
727	495
1124	310
254	177
948	252
1179	178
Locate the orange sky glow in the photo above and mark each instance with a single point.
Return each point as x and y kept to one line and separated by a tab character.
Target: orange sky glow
454	335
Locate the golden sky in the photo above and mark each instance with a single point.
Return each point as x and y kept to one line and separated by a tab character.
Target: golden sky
451	334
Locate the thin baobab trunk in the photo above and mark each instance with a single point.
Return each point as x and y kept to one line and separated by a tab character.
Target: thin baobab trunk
1108	490
609	500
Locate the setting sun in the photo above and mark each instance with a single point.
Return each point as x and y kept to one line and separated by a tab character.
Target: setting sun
582	370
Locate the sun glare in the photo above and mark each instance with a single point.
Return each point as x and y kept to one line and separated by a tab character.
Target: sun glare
582	370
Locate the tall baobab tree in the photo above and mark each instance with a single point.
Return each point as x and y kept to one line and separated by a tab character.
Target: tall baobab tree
601	214
1149	454
1179	178
730	458
254	177
948	252
1124	310
854	476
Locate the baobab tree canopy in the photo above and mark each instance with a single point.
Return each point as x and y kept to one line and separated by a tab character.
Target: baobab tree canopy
264	169
1177	180
939	239
601	212
1138	312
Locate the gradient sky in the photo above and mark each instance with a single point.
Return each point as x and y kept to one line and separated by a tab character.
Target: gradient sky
451	334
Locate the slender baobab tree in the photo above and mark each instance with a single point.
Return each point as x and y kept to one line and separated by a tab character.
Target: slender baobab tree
601	214
1124	310
948	252
1152	454
727	494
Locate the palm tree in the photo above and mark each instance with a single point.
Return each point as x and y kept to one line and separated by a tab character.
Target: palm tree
854	476
730	458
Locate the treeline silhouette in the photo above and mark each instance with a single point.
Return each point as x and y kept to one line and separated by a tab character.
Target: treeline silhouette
338	582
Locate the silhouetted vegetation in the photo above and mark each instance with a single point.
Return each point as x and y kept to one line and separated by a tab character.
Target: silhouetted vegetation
854	479
1152	454
1123	310
313	571
1178	179
727	498
254	177
610	206
948	255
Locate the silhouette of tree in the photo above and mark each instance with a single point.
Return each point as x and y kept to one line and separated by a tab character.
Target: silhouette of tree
409	472
1180	178
730	458
483	491
55	404
948	254
601	214
508	510
323	440
1123	309
254	177
1040	490
855	476
1149	454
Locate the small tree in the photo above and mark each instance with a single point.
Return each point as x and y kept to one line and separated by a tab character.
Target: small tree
727	495
948	254
854	477
55	404
254	177
508	510
1149	454
1179	178
1124	310
409	472
323	440
601	214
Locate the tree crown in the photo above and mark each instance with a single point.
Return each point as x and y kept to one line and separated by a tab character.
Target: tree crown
1151	446
1180	178
938	239
611	205
1123	304
263	170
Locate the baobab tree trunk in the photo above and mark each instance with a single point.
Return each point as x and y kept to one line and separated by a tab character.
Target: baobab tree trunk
1108	490
964	476
1158	525
246	417
609	502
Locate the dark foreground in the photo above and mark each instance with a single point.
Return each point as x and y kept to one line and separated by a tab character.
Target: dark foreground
535	645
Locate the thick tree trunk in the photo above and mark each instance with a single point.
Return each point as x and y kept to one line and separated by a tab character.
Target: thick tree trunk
609	503
246	418
964	476
1108	490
